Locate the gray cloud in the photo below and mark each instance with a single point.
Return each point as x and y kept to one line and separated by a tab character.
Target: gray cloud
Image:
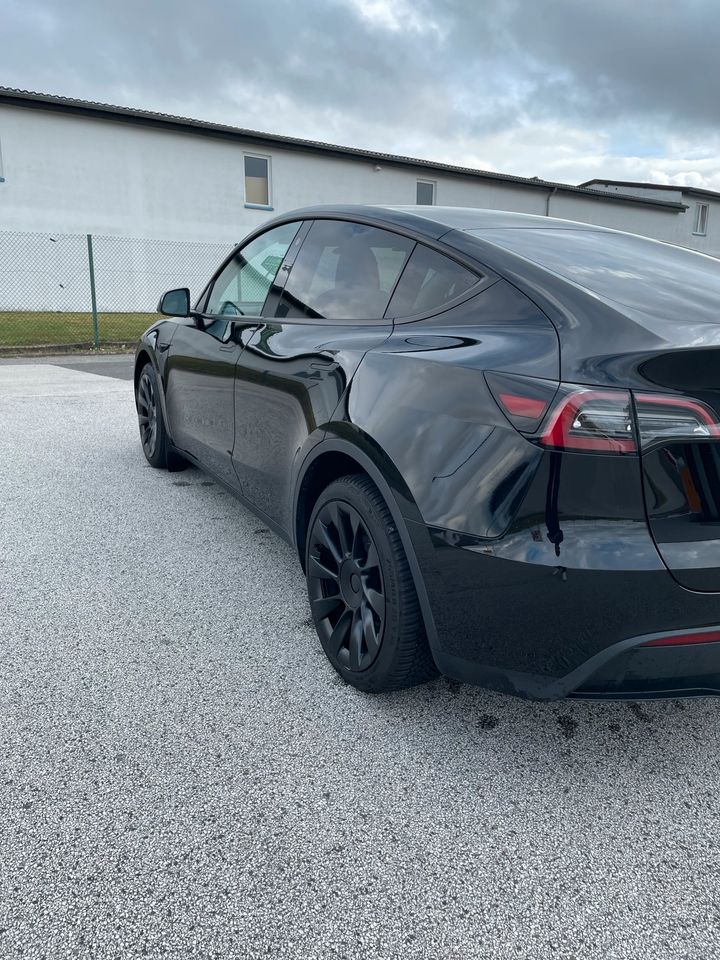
550	88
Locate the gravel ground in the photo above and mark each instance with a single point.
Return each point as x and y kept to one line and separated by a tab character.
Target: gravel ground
183	775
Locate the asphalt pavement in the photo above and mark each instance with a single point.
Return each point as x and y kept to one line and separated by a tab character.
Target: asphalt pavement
182	774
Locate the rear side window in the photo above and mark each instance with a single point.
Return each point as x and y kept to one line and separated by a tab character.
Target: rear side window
429	281
344	271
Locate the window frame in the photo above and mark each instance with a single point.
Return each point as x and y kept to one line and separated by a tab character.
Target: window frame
431	183
487	279
701	207
248	204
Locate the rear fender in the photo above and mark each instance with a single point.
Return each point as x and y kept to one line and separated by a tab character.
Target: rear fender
344	438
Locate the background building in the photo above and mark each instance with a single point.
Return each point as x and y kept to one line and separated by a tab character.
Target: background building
80	167
163	199
699	228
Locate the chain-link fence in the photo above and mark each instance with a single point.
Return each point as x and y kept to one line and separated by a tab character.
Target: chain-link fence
83	290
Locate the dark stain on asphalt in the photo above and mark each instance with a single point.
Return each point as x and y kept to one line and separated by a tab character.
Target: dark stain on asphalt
638	712
486	721
181	483
207	483
568	726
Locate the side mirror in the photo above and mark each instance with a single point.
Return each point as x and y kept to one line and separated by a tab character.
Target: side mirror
175	303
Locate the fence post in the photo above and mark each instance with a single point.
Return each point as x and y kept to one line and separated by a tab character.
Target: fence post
91	267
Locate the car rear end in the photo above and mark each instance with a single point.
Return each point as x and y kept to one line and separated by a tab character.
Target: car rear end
631	441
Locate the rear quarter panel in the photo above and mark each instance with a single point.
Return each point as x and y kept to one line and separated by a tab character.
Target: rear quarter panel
422	398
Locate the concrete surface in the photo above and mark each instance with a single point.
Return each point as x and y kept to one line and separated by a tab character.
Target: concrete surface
119	365
184	776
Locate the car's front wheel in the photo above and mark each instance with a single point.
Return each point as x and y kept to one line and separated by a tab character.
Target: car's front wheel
153	435
362	596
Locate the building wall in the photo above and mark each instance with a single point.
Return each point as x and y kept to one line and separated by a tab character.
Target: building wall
684	225
70	174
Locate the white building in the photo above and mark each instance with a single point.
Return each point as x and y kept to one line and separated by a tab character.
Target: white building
699	228
75	167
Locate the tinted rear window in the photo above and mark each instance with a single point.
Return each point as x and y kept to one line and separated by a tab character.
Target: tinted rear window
429	281
657	278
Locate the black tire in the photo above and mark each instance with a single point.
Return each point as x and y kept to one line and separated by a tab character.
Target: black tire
362	596
153	435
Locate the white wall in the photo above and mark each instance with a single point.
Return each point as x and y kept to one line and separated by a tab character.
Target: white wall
70	174
683	228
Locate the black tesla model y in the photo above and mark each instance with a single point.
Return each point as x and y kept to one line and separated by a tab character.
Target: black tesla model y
493	440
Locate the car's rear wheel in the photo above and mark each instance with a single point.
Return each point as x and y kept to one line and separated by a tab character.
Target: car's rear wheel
362	596
153	435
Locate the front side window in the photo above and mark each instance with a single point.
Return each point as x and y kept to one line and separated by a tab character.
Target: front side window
257	180
701	219
425	193
429	281
241	288
344	271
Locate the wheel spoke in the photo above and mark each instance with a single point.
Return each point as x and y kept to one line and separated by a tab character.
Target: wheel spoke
356	638
375	600
324	606
318	569
341	524
143	419
369	632
339	636
323	535
358	536
371	560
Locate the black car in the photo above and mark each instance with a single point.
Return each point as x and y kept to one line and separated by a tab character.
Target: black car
492	439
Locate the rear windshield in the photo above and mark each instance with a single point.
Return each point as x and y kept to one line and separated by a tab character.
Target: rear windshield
657	278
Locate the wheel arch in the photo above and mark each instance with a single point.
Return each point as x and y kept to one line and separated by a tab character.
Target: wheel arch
337	456
146	354
141	358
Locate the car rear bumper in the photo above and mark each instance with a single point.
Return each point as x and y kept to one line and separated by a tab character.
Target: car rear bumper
545	631
642	672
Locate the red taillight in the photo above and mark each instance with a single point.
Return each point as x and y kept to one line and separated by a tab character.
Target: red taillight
518	406
592	420
570	416
523	400
685	639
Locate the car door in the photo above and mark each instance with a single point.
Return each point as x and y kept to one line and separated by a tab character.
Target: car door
200	368
328	299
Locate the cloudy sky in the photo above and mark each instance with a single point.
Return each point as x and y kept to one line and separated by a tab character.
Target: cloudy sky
562	89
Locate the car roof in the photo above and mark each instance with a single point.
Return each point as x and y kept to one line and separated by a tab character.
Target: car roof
438	220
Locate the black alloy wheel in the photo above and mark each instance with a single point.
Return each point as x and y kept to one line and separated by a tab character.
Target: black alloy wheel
153	436
361	592
347	595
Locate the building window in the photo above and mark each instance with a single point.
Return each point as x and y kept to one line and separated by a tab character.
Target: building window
257	181
701	219
425	193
